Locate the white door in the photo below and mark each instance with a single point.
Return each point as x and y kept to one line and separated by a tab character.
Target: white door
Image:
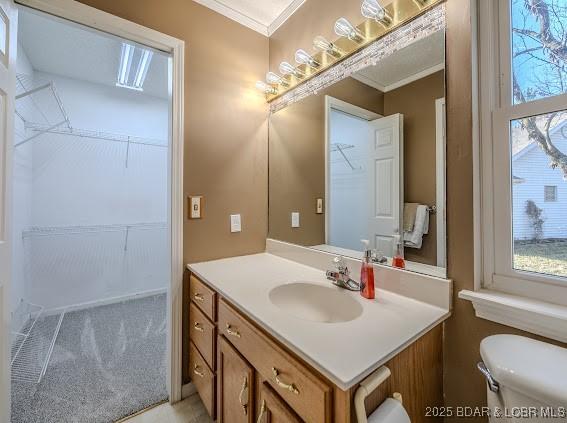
8	31
385	170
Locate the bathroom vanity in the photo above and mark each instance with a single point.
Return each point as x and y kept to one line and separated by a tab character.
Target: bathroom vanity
268	335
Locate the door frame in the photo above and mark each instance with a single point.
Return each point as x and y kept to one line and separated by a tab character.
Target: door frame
89	16
440	185
332	103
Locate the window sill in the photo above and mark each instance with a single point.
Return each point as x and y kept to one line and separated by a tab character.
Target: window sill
534	316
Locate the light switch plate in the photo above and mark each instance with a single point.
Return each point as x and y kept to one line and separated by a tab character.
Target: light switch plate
235	223
319	206
195	207
295	219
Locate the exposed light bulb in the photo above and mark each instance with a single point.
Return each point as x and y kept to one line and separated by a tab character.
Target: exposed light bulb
274	78
288	69
371	9
266	88
328	47
304	58
345	29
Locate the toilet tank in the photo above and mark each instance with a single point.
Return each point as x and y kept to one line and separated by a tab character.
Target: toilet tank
531	378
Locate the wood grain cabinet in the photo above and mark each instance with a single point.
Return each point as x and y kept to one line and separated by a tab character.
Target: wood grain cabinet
244	375
273	409
235	386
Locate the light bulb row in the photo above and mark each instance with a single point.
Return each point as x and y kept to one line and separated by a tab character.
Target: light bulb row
370	9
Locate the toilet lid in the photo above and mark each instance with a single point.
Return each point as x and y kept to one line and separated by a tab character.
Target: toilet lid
536	369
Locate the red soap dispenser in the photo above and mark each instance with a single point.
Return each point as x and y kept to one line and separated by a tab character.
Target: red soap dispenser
367	273
398	259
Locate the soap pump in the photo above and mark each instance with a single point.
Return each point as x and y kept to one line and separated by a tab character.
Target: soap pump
367	273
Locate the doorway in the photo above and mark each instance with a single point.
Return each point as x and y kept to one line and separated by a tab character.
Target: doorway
94	255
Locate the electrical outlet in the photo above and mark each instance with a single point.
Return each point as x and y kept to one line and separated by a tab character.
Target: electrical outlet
319	206
235	223
295	219
195	204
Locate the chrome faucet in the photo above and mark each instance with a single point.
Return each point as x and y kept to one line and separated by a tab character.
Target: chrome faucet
341	277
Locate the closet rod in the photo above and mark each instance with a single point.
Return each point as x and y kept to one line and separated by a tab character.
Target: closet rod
49	129
85	133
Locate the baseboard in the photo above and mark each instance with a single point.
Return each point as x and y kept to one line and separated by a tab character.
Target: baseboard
188	390
106	301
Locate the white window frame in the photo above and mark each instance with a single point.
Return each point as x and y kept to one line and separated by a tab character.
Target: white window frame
496	111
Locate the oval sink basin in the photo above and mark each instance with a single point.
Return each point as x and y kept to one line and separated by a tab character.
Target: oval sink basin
317	303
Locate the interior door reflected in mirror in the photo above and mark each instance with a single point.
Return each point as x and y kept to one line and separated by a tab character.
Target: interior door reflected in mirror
372	146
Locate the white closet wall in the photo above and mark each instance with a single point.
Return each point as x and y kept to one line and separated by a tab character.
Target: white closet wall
93	212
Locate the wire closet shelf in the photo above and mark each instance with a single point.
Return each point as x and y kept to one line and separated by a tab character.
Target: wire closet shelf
41	111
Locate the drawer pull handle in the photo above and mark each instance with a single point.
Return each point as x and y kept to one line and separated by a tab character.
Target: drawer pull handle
262	411
198	297
243	397
198	327
231	331
287	386
198	372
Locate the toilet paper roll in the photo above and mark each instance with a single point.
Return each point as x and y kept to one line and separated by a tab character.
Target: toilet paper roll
390	411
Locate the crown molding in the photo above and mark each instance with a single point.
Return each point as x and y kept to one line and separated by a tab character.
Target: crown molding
235	15
284	16
247	21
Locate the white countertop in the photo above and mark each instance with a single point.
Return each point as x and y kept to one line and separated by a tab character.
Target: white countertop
344	352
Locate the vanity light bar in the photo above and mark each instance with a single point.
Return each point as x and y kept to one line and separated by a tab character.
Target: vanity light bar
371	9
380	20
266	88
326	46
343	28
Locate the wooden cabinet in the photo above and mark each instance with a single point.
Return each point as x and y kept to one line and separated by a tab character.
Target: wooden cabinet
235	386
273	409
244	375
298	385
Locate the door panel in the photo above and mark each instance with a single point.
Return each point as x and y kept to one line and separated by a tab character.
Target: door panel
273	409
8	42
385	183
235	385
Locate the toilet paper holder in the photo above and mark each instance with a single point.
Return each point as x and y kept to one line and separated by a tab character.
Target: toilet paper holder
367	386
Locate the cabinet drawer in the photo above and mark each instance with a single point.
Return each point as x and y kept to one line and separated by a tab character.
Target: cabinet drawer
202	334
307	394
203	379
203	296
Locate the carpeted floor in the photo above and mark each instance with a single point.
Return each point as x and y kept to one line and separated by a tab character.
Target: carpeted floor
108	362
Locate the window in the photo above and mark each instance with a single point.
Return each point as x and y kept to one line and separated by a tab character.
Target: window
523	93
550	193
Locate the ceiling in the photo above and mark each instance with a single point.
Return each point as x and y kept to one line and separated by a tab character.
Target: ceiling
64	48
413	62
263	16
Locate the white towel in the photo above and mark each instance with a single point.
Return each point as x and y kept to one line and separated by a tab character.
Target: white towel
414	239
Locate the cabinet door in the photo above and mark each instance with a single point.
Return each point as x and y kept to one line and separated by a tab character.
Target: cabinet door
273	409
235	385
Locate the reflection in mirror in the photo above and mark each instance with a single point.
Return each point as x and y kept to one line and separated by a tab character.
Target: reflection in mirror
363	159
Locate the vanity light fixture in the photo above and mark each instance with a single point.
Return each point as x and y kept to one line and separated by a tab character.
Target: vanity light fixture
288	69
266	88
371	9
344	28
326	46
304	58
275	79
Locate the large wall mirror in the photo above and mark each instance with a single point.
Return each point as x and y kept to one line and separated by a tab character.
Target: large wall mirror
364	159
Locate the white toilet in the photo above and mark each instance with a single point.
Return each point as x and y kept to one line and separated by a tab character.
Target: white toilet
526	379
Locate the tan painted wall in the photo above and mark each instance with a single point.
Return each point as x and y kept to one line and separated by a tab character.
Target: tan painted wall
463	331
226	133
416	101
297	160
